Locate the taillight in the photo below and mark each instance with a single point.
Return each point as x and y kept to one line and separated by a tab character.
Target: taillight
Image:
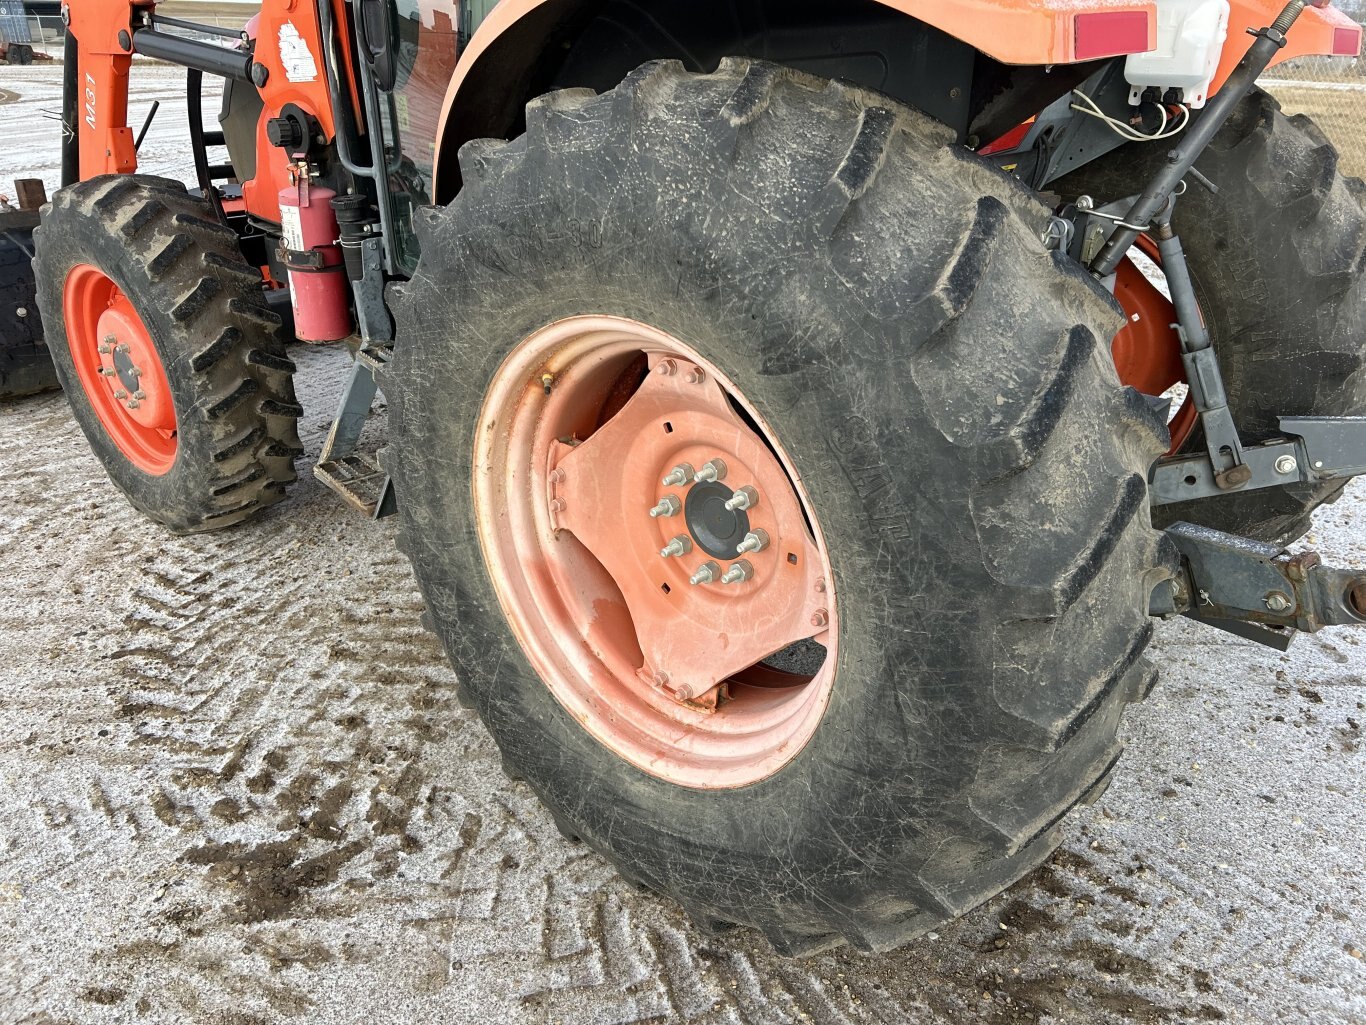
1111	34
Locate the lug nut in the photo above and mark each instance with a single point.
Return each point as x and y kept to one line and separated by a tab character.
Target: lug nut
707	574
120	348
668	506
821	619
744	498
712	471
755	542
120	394
696	375
106	371
109	339
139	394
677	548
666	368
683	473
739	573
133	403
135	372
105	348
1286	465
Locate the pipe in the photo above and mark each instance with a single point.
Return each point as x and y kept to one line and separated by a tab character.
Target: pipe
191	53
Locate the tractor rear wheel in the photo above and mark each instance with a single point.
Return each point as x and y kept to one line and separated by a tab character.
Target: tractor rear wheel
1277	261
696	285
167	351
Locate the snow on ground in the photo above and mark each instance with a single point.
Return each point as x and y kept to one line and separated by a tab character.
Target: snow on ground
235	789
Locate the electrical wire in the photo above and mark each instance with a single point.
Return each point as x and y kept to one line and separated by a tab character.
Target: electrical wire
1127	131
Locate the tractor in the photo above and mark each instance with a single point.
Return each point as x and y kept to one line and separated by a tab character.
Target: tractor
799	412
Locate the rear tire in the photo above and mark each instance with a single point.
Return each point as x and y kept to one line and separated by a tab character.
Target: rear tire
1277	260
202	309
880	298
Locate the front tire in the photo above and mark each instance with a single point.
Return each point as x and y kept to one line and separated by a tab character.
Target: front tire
878	303
167	352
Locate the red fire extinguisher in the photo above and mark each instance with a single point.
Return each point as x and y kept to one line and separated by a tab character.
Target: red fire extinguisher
318	288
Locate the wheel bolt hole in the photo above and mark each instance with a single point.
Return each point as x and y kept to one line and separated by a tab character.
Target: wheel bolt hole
666	589
668	428
792	558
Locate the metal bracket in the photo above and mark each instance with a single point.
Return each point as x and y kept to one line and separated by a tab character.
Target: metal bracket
1315	449
1256	590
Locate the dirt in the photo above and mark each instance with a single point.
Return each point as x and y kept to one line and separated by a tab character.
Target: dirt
235	788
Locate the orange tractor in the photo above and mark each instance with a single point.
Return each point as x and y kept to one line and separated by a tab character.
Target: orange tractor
799	411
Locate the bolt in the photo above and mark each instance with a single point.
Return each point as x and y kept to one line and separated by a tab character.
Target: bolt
821	619
134	371
713	470
121	348
668	506
1277	601
21	312
1085	203
1286	465
755	541
559	505
696	375
120	394
139	394
109	339
820	586
744	498
683	473
133	403
666	368
707	574
105	349
739	573
106	371
677	548
557	476
1318	465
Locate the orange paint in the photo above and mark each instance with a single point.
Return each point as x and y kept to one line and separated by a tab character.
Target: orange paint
106	141
1320	31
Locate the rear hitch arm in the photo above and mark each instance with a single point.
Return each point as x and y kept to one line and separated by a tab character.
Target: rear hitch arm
1256	590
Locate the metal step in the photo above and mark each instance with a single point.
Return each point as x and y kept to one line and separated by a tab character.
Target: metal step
359	480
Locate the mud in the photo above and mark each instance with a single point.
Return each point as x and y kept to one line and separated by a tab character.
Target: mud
235	788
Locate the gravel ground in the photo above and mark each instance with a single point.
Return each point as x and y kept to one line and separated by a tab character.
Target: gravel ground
235	788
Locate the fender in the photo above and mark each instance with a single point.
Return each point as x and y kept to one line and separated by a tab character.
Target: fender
510	43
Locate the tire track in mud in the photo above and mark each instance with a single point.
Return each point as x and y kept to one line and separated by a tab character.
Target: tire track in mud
235	786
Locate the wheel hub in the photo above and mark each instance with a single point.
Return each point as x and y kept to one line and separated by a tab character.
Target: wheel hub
718	531
651	565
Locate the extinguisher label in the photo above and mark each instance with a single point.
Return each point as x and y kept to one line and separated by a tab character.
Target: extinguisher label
292	229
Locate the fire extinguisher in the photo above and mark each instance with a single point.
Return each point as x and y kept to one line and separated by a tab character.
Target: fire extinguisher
318	288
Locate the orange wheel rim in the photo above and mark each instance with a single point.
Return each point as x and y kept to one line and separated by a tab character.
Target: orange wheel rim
1147	350
119	369
676	676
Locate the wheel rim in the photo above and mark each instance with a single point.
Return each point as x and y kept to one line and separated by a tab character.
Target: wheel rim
579	427
119	369
1147	350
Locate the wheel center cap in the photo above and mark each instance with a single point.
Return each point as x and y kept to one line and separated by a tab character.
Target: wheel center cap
717	530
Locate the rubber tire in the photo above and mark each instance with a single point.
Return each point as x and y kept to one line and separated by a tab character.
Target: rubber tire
25	365
1277	260
202	305
882	298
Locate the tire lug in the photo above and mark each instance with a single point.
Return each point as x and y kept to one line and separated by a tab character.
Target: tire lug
741	572
707	573
683	473
668	506
712	471
754	543
677	548
744	498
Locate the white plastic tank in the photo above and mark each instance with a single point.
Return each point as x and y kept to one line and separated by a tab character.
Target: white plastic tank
1190	40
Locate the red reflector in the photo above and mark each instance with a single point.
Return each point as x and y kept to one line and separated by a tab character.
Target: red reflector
1346	42
1110	33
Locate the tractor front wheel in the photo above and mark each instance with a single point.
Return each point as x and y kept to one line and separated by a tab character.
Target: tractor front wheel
774	496
168	354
